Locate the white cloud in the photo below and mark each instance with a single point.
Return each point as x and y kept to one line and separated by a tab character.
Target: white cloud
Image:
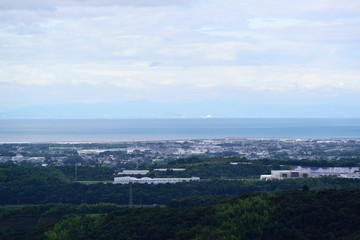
182	50
110	73
139	78
52	5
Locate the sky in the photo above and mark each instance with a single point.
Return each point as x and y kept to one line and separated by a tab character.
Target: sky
179	58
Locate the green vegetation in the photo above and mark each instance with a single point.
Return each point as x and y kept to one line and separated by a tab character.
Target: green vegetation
221	167
30	222
295	214
87	173
345	162
236	207
215	168
38	185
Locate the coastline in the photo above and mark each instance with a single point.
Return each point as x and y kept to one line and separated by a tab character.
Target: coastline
183	140
144	130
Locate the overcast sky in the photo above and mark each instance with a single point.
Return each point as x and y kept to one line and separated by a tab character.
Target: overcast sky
179	58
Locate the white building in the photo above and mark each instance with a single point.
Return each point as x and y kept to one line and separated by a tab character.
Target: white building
97	151
134	172
244	163
141	149
19	158
127	180
285	174
37	159
350	175
178	169
160	169
172	169
91	151
327	171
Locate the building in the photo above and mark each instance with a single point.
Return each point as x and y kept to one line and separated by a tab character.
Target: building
91	151
285	174
134	172
243	163
160	169
37	159
127	180
350	175
327	171
171	169
19	158
304	172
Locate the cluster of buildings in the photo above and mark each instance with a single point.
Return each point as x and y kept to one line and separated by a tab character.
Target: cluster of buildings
250	148
170	169
305	172
127	180
144	172
285	174
20	158
148	180
134	172
149	152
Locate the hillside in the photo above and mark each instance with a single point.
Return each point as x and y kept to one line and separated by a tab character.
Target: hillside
295	214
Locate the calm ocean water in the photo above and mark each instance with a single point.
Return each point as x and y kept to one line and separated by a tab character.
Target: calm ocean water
113	130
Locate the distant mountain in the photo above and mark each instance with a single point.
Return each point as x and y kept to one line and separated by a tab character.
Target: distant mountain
148	109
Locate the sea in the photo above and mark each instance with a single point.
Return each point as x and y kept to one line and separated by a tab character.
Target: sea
122	130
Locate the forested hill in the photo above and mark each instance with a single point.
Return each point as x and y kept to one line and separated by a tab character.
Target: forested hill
216	209
295	214
37	185
239	168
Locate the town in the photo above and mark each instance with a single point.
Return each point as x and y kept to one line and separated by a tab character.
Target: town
147	152
132	155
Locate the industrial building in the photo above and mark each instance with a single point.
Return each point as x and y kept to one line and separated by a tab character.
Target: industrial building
134	172
285	174
350	175
171	169
304	172
127	180
327	171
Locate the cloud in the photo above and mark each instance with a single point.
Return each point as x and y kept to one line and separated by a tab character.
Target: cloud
166	83
111	51
319	8
109	73
52	5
